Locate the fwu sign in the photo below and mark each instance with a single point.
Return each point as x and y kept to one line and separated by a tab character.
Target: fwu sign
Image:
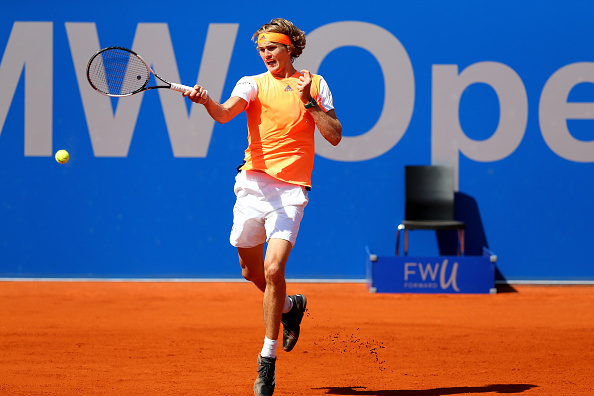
444	274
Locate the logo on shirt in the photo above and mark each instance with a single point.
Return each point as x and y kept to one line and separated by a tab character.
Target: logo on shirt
288	89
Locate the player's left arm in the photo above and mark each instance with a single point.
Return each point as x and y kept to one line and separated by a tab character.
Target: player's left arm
328	124
326	121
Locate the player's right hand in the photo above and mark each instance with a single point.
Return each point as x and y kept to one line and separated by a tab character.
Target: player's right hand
197	95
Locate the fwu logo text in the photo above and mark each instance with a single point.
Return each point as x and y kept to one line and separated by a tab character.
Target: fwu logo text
424	276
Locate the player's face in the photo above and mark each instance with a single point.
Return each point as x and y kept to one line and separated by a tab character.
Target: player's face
276	57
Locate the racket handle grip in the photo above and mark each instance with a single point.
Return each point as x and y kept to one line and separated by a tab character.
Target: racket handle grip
180	87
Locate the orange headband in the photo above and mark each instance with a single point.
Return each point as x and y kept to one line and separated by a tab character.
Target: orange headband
274	37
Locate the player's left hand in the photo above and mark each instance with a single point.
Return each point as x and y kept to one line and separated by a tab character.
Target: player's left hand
304	86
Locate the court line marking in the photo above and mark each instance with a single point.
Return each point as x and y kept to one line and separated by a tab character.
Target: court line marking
237	280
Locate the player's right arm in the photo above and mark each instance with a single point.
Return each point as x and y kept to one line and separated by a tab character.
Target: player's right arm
221	113
245	91
225	112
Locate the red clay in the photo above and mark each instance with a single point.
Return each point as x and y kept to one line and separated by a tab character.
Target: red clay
103	338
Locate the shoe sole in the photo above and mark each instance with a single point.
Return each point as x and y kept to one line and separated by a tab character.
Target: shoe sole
289	347
304	305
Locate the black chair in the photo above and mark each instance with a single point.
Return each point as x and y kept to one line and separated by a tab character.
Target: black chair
429	203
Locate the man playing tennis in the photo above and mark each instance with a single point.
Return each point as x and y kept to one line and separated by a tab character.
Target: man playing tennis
283	107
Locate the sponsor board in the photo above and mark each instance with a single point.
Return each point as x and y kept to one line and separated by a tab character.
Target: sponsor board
441	274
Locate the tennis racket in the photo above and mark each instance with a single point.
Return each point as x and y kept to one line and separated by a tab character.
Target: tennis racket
117	71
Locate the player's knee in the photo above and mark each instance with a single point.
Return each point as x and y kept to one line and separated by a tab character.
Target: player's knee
247	275
250	275
274	274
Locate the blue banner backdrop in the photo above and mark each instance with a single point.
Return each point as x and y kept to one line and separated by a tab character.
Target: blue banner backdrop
503	91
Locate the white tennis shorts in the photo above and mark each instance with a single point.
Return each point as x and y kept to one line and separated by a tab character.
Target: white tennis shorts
265	208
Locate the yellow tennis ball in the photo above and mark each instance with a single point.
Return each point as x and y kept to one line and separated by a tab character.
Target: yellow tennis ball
62	156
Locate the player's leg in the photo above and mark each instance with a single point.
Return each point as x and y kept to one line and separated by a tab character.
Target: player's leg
275	294
252	265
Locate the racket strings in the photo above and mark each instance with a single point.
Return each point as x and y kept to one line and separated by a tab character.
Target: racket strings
118	72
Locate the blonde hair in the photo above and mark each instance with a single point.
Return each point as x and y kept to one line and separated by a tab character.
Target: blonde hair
280	25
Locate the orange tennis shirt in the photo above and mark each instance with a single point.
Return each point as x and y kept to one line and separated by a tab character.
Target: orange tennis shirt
280	129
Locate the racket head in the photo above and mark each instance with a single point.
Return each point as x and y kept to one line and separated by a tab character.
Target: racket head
117	72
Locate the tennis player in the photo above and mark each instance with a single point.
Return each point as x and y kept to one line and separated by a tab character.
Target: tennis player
283	106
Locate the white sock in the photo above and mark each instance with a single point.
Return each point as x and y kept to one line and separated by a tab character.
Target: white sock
288	304
269	348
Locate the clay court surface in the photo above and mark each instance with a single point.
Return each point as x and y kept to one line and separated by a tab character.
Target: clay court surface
137	338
